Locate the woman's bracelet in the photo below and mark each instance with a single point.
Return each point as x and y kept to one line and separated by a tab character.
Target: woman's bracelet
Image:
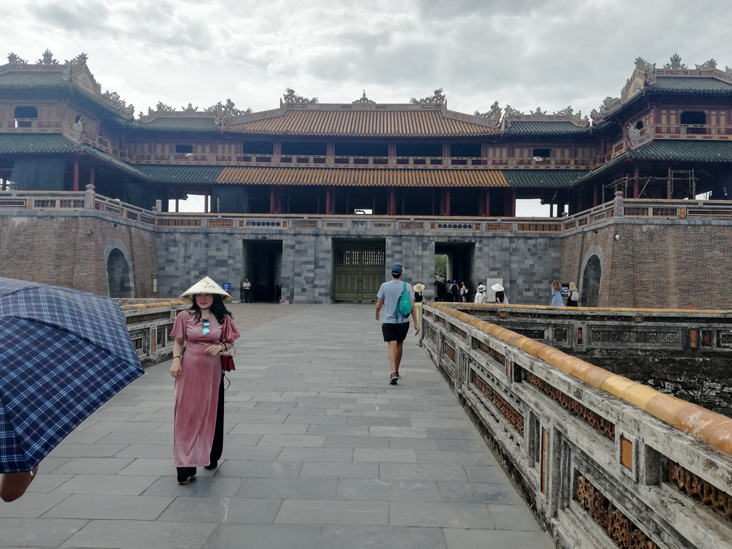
225	347
176	357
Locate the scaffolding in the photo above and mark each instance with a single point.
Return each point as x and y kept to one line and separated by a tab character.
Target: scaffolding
679	184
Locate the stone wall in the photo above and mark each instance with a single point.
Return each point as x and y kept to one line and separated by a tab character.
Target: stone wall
527	262
70	248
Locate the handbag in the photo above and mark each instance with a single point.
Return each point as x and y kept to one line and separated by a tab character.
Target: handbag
227	360
227	363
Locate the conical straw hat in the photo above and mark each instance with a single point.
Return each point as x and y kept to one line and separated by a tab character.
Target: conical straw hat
205	286
497	287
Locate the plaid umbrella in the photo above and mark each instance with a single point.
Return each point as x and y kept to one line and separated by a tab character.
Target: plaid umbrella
63	353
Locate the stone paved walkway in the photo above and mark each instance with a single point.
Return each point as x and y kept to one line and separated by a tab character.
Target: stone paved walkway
320	452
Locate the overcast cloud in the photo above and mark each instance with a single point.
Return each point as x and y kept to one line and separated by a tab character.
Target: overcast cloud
525	53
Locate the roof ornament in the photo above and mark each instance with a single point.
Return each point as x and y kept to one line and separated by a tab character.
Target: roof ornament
675	62
47	58
711	64
16	59
224	113
609	104
493	115
80	59
633	136
364	100
118	103
291	98
189	109
437	98
643	65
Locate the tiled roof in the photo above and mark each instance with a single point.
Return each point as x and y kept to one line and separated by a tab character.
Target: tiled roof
358	122
28	143
112	161
554	179
181	174
679	151
177	123
363	178
690	85
32	78
690	151
521	128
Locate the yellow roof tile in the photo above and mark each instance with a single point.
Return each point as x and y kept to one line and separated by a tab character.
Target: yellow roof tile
362	178
406	122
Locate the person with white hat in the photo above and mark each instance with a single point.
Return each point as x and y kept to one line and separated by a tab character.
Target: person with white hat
480	294
500	293
418	289
205	331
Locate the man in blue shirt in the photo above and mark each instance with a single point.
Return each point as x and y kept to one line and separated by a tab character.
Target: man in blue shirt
395	326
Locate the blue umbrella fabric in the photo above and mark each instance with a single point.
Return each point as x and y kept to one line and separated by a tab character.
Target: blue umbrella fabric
63	353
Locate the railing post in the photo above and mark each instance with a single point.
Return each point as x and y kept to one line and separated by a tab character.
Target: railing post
89	197
618	203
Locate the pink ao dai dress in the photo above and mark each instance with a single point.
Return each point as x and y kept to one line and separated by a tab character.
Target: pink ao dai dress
197	388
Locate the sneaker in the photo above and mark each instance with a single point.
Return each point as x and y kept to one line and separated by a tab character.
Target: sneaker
394	378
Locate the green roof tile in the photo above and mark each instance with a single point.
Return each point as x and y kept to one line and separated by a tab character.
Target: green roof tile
554	179
16	79
690	151
523	128
180	174
201	124
690	85
28	143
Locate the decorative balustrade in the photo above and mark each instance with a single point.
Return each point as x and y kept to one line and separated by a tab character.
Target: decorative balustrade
149	322
605	462
668	209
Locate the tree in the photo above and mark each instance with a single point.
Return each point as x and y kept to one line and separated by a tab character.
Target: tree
441	266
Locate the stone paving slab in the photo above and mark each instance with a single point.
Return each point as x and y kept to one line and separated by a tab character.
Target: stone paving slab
320	452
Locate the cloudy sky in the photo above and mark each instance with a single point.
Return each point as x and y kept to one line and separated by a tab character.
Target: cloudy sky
525	53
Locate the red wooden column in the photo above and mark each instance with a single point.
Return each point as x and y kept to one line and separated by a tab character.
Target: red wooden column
272	200
446	202
594	195
76	174
328	198
391	152
487	203
636	182
445	154
391	207
91	176
510	205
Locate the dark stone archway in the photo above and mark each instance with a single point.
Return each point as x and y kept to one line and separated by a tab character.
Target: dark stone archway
118	275
591	283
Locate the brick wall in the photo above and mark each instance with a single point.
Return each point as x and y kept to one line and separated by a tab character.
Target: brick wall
656	264
70	251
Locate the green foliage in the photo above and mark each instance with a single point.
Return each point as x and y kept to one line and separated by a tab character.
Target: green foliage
441	266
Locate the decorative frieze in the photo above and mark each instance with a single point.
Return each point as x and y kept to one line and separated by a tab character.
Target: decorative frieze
632	336
594	420
616	525
487	349
718	501
513	416
454	329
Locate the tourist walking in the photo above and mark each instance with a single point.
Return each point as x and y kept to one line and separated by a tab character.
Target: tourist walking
480	294
454	292
463	292
246	291
500	294
557	300
418	289
395	326
573	297
204	332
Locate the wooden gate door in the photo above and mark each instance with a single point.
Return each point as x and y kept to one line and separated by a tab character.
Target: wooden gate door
358	271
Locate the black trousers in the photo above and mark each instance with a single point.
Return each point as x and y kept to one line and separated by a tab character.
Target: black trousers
218	442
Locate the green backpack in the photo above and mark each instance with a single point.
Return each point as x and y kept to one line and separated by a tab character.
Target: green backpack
404	304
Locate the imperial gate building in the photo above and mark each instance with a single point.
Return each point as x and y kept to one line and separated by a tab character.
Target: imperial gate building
313	202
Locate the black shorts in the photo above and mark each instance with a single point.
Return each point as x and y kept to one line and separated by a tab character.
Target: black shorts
395	332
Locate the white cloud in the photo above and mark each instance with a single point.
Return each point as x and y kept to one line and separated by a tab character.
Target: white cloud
525	53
